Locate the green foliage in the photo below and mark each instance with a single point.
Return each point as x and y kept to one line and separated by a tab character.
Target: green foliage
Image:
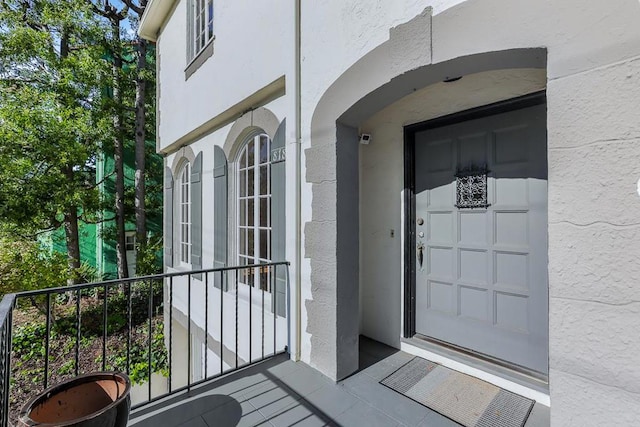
24	266
149	259
67	368
57	110
28	340
51	130
139	354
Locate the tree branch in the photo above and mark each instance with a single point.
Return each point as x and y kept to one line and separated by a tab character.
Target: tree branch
86	220
101	181
136	8
110	12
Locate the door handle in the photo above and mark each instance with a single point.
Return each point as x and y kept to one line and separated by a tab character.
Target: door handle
420	254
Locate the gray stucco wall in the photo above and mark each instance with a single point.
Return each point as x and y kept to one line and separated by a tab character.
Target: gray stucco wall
593	67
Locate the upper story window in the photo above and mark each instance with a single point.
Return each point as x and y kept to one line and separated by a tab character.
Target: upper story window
200	25
185	215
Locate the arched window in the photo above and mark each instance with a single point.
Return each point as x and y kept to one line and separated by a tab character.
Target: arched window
185	214
254	207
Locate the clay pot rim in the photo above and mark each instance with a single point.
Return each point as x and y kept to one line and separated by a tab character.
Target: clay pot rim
60	387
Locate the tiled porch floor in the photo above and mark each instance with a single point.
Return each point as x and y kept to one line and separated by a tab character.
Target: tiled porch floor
280	392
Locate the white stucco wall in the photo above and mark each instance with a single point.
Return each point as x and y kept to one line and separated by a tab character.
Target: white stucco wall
592	91
335	35
593	136
345	30
251	50
253	47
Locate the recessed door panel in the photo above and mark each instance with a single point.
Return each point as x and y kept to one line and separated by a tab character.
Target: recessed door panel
472	266
440	227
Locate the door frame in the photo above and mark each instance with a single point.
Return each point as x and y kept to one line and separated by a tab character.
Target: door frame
409	202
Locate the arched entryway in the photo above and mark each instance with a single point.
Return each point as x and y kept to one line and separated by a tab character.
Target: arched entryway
335	168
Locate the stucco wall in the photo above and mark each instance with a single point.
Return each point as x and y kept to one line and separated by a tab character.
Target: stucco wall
594	227
234	89
592	90
251	50
350	49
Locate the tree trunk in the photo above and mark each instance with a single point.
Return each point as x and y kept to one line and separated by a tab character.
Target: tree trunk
118	156
140	188
72	235
73	241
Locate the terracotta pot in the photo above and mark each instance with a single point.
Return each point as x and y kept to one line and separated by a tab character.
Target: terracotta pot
99	399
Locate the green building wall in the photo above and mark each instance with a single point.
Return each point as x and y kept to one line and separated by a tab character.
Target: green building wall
97	241
55	241
105	244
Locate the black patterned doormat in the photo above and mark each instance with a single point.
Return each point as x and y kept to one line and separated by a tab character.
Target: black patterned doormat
464	399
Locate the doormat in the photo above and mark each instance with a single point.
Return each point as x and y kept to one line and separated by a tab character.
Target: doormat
464	399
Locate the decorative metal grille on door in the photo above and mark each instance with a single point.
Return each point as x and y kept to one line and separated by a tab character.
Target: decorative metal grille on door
471	187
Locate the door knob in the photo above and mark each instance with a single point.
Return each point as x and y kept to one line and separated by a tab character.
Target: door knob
420	253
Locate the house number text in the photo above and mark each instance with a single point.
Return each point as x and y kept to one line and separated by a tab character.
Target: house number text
278	155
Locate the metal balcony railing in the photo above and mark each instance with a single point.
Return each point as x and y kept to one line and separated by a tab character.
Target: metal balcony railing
168	332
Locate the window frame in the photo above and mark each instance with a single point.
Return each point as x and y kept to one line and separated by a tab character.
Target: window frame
130	241
200	20
184	213
256	196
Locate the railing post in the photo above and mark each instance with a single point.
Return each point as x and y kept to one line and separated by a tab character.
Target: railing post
262	314
274	296
170	332
250	311
78	336
189	332
7	378
129	318
237	290
222	277
6	327
150	335
104	329
46	343
206	323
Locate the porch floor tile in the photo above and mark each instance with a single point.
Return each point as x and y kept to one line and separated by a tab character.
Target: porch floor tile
279	392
